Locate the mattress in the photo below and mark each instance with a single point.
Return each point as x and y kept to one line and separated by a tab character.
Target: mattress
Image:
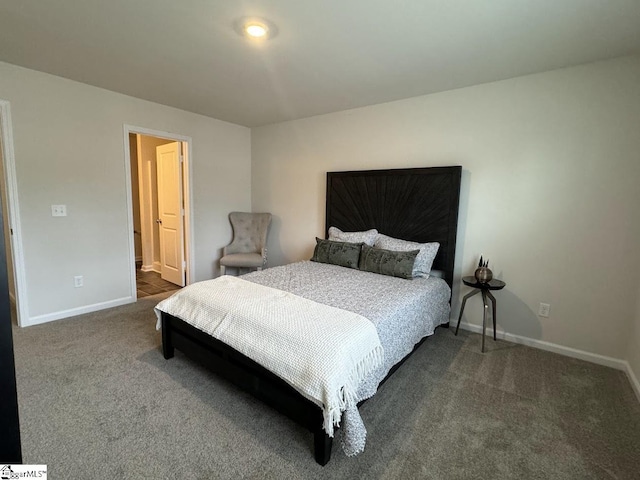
402	311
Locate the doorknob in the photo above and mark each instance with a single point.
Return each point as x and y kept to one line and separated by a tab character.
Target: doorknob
158	220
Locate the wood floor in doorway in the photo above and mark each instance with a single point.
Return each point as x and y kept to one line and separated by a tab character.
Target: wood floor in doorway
150	283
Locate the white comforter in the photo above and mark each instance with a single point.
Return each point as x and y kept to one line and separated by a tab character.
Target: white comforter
323	352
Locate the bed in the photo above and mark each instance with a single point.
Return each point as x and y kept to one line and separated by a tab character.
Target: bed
419	205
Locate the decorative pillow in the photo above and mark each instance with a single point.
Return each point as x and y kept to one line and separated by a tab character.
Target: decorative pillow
368	237
387	262
425	258
344	254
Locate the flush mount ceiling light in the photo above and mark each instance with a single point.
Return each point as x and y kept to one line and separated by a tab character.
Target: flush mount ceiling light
255	28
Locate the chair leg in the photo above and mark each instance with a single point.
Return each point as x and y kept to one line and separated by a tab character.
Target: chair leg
223	270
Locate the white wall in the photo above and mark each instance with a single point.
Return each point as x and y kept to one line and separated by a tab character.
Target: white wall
550	190
69	149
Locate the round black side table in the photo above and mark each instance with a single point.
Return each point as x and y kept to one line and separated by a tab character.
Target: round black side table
485	289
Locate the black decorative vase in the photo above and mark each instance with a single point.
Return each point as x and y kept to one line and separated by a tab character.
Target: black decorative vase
483	274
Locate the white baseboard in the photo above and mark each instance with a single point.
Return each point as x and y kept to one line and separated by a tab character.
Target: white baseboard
616	363
633	379
50	317
151	268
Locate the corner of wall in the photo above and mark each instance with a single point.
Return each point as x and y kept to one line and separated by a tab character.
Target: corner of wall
633	379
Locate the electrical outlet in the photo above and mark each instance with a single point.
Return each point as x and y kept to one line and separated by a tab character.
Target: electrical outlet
78	281
58	210
543	310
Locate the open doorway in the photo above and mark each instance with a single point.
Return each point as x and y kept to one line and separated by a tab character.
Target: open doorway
159	210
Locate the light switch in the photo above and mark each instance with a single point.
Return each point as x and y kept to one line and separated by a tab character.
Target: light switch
58	210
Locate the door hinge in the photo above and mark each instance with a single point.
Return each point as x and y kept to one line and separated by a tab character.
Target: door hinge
184	264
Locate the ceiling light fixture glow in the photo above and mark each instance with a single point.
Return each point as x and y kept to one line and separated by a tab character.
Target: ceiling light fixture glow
255	28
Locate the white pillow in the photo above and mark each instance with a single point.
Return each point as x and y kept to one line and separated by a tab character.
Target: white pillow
424	260
368	237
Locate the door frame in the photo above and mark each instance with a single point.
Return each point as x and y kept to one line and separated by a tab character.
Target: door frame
13	211
187	196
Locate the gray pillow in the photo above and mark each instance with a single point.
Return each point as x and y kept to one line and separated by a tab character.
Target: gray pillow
368	236
387	262
425	258
344	254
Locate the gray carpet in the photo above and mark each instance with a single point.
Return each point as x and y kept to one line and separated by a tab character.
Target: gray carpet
98	400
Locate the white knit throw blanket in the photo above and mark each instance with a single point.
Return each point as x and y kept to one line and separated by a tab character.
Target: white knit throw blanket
323	352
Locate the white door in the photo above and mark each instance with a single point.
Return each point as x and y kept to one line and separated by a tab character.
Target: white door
170	213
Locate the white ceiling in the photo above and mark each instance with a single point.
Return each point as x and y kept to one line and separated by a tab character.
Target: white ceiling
328	55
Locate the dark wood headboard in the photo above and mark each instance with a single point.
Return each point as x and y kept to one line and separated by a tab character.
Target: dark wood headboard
417	204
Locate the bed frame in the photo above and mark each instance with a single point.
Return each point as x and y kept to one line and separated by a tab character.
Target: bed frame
419	204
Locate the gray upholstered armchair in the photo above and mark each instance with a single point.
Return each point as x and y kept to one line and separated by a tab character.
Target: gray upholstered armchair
248	248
